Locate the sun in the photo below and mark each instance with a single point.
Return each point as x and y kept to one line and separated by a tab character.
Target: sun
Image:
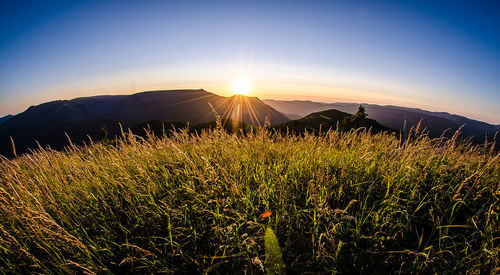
241	87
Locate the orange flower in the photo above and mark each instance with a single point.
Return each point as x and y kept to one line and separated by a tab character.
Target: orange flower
266	214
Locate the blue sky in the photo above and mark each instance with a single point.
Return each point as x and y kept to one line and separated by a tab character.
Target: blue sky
436	55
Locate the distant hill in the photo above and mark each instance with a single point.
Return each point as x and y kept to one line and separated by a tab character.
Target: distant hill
4	118
293	116
329	119
47	123
394	117
54	113
191	106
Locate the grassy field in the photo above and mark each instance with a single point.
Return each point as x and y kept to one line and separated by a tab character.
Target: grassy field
344	202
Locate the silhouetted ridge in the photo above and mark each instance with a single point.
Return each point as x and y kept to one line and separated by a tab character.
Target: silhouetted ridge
48	122
394	117
330	119
4	118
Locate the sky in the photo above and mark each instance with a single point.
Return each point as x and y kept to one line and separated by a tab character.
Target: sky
434	55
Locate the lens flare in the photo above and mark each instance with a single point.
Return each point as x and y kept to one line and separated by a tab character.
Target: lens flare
241	87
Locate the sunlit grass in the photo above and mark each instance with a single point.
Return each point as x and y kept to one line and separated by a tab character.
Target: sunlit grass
274	259
348	202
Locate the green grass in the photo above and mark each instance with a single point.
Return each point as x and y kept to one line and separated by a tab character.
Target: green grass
274	258
344	202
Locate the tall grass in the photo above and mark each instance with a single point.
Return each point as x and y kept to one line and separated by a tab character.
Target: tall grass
341	202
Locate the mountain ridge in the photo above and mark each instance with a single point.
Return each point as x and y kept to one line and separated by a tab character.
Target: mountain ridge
331	119
5	118
394	117
51	120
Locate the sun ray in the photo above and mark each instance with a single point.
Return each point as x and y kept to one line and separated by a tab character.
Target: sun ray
190	100
251	112
224	117
229	109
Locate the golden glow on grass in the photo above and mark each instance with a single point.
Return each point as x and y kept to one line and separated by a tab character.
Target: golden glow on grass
240	87
31	216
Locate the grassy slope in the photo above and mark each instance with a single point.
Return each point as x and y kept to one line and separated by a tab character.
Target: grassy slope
350	202
329	120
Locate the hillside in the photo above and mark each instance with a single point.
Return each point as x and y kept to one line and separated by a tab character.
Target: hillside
190	106
313	123
4	118
348	202
394	117
329	119
47	123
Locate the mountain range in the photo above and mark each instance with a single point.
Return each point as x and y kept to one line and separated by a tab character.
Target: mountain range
83	118
93	118
395	117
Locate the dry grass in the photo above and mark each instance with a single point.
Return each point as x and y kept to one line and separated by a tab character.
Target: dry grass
348	202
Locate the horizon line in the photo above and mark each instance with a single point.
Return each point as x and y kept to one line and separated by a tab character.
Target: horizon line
290	99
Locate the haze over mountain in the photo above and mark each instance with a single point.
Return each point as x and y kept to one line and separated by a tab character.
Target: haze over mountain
394	117
47	123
